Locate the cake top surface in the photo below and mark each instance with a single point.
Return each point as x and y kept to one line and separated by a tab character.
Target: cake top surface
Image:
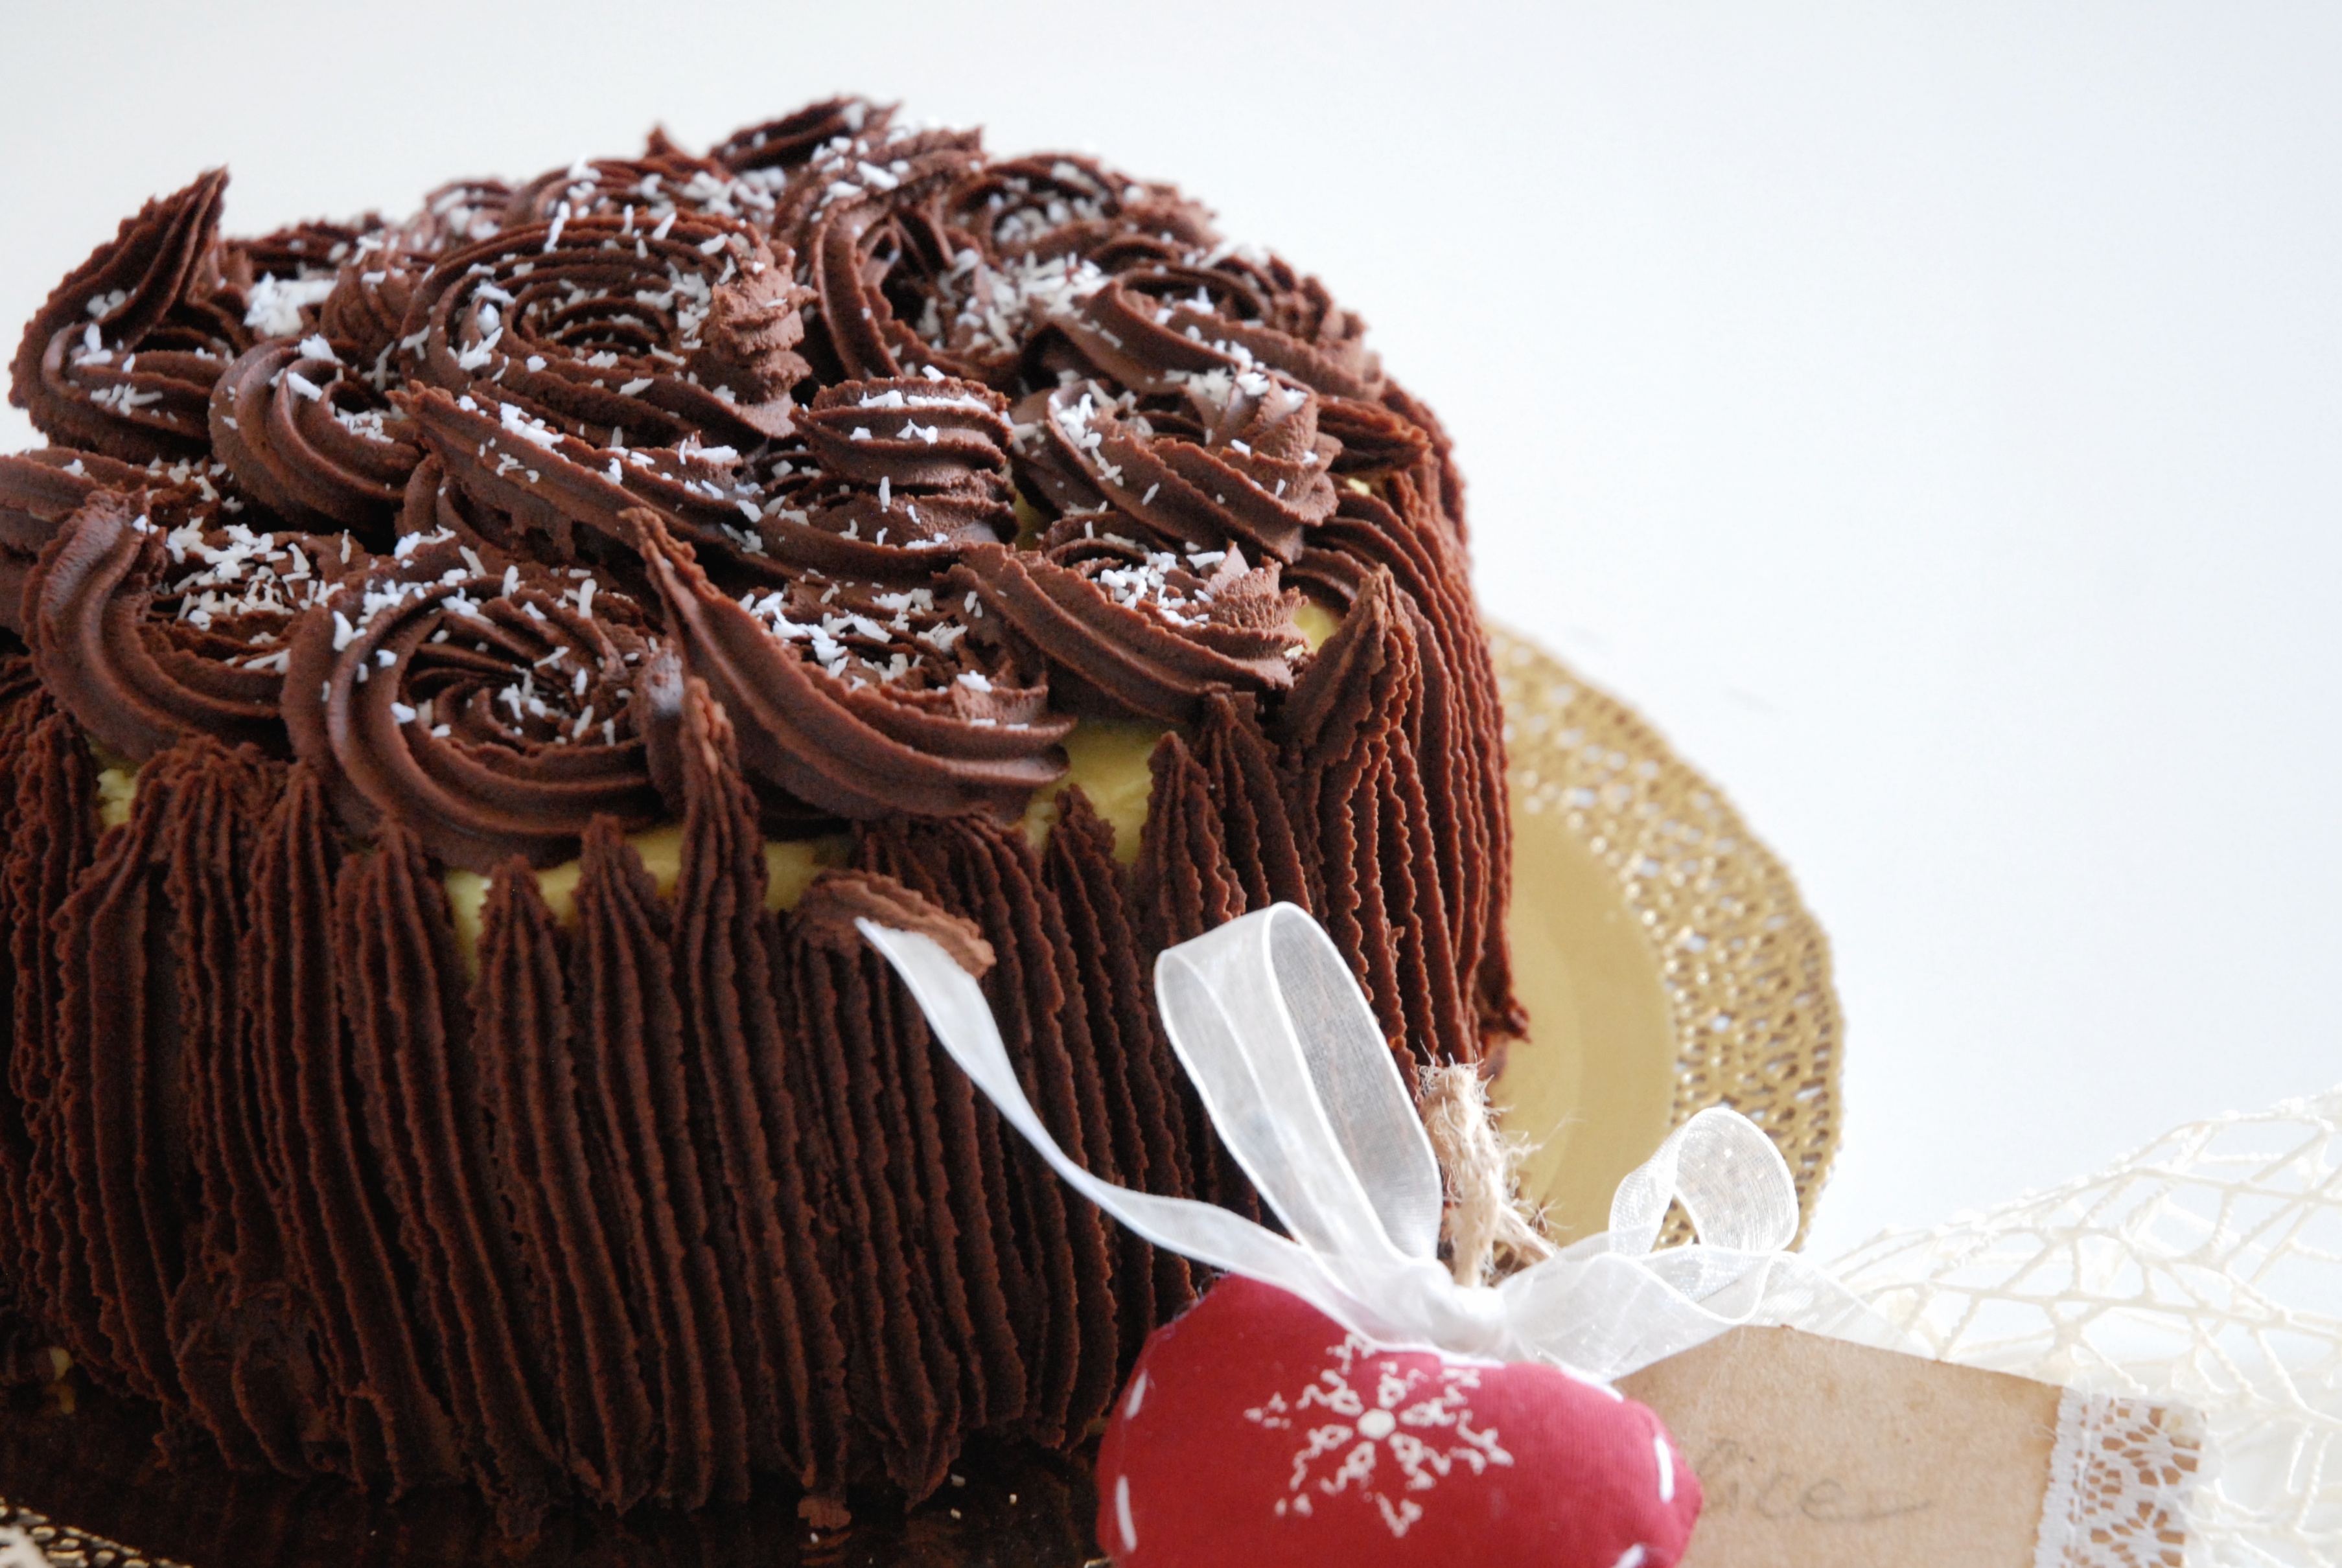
912	454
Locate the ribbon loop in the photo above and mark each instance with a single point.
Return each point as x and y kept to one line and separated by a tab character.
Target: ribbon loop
1299	1083
1727	1175
1296	1075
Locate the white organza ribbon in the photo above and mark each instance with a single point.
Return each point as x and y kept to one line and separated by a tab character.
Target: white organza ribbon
1294	1072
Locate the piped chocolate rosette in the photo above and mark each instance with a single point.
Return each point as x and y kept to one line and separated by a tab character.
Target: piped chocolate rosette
920	256
895	477
771	153
520	635
1161	324
1059	204
458	214
310	439
1232	456
1227	308
860	700
122	358
494	715
584	366
529	489
365	312
1137	632
665	179
152	619
285	277
616	331
862	215
39	490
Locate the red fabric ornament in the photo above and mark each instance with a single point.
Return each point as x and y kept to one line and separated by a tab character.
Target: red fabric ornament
1257	1430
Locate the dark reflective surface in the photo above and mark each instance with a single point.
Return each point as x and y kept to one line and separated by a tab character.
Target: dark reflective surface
101	1469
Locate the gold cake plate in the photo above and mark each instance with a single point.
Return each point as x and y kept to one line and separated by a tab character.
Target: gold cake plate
1665	963
1661	951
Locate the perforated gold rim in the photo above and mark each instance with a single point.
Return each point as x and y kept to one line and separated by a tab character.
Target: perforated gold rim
1743	966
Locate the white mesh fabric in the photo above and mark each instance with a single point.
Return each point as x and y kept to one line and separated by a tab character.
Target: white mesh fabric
2207	1269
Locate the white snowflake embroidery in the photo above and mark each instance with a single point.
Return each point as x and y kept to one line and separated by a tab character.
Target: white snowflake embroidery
1419	1419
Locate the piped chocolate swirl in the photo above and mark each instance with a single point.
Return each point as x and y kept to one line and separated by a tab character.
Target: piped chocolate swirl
896	477
863	704
494	716
617	331
665	179
152	620
155	293
475	665
1138	633
1227	457
312	441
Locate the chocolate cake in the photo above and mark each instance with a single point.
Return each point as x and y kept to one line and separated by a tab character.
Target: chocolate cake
463	675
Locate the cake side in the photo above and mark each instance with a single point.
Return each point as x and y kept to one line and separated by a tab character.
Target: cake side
448	668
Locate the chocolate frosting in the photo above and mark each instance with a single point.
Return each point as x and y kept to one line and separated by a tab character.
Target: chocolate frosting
280	281
923	257
1137	632
1184	886
772	150
1462	743
150	621
418	1077
826	913
38	491
1352	734
362	316
378	1417
1052	205
789	1363
666	179
1055	1268
618	331
634	1103
25	710
860	210
810	486
122	357
547	494
303	251
144	948
1233	457
896	708
1225	309
312	441
894	476
48	857
458	214
493	715
1146	1119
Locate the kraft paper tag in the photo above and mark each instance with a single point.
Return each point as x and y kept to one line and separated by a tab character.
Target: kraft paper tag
1818	1453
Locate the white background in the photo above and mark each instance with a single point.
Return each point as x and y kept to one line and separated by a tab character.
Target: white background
1928	415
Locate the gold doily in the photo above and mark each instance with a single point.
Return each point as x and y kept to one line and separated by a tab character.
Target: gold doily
63	1546
1662	951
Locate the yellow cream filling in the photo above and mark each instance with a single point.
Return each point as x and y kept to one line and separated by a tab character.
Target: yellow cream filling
1108	757
1316	623
789	869
116	789
1030	523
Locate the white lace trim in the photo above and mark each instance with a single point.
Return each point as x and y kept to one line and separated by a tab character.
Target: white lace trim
2120	1477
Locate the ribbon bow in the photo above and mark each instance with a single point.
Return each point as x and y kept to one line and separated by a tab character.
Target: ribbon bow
1270	1024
